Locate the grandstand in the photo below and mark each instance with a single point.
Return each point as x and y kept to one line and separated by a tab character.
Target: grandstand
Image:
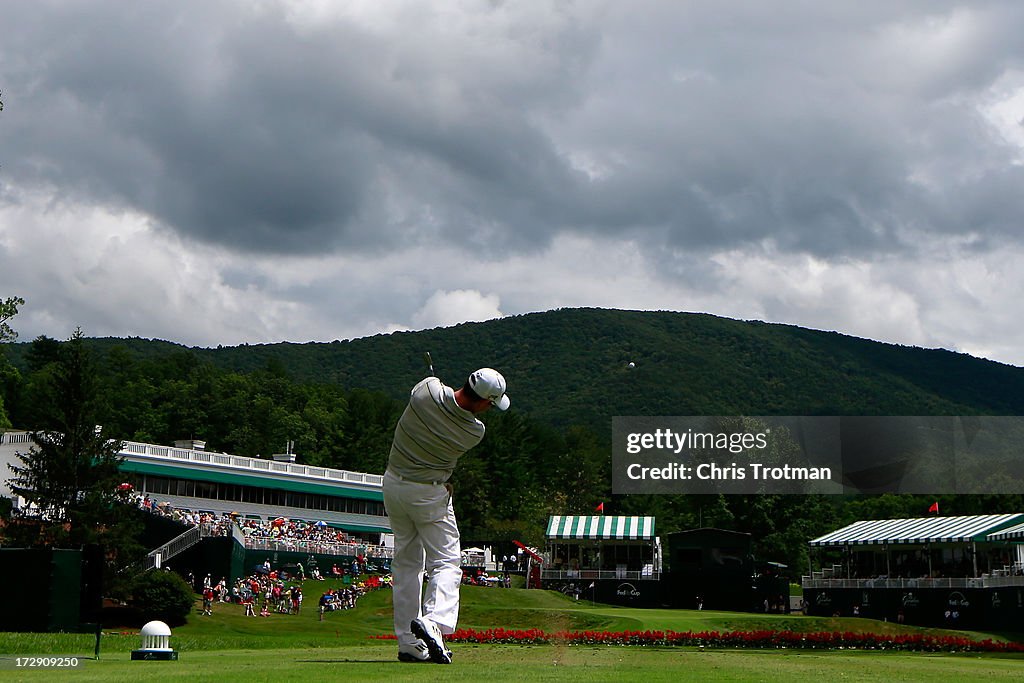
190	479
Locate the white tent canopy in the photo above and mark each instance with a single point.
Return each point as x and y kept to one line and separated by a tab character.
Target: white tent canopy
1013	533
961	529
600	527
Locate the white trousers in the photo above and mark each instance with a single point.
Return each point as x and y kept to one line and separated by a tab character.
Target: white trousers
426	543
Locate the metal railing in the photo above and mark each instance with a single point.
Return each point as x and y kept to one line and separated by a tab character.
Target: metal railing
318	547
15	437
237	534
227	460
943	582
193	535
586	574
176	545
251	464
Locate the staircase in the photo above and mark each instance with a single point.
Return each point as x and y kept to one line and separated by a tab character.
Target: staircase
183	542
833	572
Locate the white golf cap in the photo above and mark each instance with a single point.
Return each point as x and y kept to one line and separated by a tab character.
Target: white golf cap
488	384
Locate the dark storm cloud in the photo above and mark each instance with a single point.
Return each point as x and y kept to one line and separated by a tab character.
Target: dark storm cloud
176	116
825	128
248	132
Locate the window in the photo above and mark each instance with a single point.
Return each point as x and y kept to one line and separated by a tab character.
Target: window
258	495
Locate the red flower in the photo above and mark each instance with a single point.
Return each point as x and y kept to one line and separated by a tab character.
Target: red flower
734	639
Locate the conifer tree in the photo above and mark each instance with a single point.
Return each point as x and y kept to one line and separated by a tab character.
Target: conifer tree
70	473
8	309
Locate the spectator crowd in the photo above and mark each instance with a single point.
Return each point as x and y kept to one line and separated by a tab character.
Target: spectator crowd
266	591
277	534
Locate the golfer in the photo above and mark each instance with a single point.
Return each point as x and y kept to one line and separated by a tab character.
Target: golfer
437	427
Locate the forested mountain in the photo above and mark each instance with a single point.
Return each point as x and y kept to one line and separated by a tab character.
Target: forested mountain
568	374
572	366
569	366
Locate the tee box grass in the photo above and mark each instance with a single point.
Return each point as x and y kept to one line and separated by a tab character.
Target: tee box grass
229	646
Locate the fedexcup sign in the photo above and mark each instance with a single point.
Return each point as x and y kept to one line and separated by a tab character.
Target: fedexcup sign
627	590
958	599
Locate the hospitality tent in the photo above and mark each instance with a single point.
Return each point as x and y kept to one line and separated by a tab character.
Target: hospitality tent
602	547
600	527
923	545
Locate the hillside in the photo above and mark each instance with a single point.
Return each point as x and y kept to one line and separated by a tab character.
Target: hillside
568	374
571	366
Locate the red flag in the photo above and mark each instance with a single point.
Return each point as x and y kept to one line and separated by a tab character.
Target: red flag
934	508
600	507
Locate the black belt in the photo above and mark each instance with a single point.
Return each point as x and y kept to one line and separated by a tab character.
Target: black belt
414	481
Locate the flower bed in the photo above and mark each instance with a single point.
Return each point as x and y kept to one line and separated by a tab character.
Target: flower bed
847	640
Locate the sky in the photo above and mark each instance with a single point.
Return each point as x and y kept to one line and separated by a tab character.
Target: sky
253	171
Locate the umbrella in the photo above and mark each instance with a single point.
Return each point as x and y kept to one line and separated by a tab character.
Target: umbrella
321	523
279	521
125	486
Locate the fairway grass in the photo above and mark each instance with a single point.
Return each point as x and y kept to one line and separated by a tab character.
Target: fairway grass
232	647
490	663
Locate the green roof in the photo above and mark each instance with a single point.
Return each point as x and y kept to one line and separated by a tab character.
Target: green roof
202	474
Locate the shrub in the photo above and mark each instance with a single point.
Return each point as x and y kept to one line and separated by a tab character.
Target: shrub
162	595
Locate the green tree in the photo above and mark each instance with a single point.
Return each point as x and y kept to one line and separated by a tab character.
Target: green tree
8	375
71	471
366	430
583	473
9	309
324	414
163	595
5	422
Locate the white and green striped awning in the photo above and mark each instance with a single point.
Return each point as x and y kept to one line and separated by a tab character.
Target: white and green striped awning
1013	533
600	527
919	530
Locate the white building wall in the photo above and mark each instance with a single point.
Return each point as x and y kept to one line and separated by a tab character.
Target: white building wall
11	443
